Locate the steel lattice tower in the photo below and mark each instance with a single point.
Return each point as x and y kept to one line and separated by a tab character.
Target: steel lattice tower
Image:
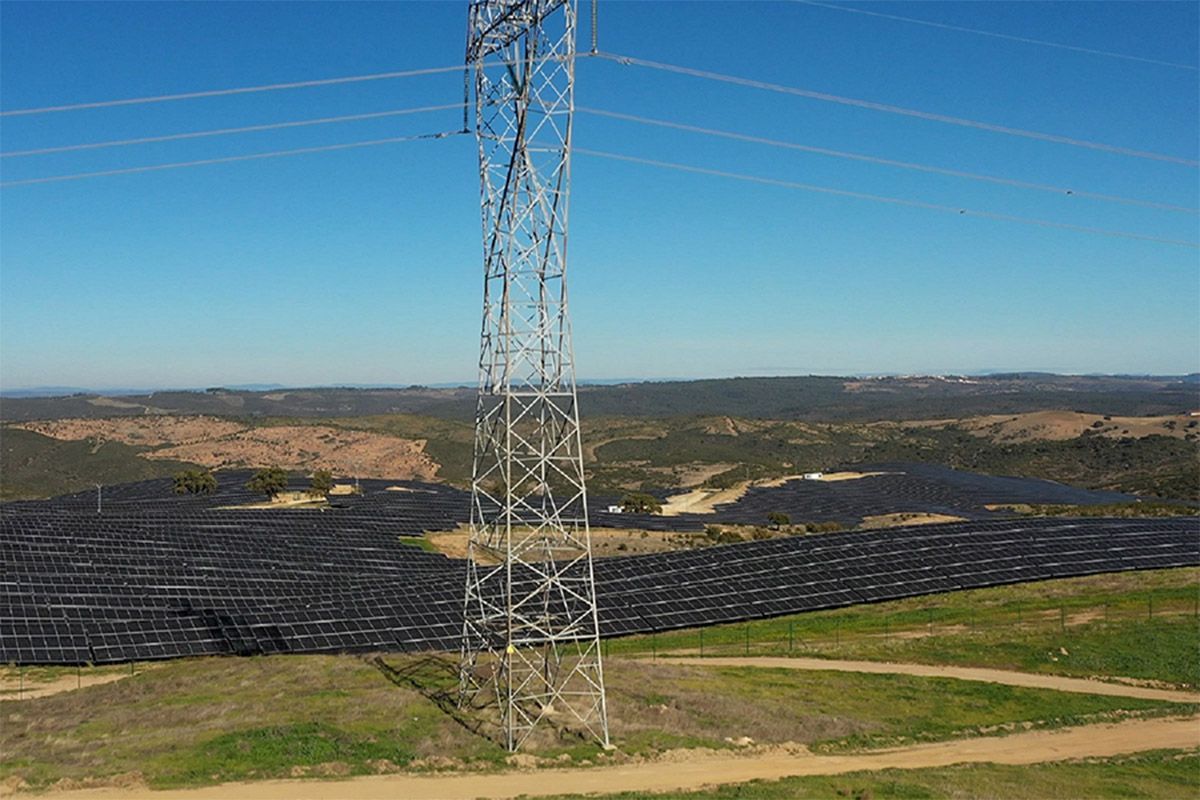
530	640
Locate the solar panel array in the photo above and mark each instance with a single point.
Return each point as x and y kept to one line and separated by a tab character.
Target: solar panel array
901	488
419	507
140	582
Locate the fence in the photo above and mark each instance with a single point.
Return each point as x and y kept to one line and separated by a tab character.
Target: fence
865	626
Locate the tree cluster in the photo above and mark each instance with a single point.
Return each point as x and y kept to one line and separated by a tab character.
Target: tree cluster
195	481
640	503
269	481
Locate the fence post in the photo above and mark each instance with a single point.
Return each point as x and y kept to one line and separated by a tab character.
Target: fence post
702	642
791	636
930	621
78	677
654	646
21	685
1062	619
747	638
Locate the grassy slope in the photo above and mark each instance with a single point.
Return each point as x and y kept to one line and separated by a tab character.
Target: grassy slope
209	720
1014	627
199	721
32	465
1160	775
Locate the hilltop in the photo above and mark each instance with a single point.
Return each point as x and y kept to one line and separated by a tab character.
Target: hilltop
809	398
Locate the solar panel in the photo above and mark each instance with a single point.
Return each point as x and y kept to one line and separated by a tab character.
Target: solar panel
154	580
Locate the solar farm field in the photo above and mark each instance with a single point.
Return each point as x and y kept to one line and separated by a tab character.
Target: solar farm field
153	575
134	609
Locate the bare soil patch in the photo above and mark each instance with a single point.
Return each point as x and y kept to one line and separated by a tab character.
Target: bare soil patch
147	431
703	501
605	541
15	689
906	518
218	443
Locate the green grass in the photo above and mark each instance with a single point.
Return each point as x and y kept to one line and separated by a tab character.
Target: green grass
1138	625
419	542
1157	775
840	711
278	750
202	721
199	721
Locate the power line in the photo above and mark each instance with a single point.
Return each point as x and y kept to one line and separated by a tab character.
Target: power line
886	161
271	87
1023	39
899	201
891	109
230	159
225	131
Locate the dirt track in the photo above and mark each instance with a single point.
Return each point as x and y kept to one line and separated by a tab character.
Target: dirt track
1028	680
18	690
705	768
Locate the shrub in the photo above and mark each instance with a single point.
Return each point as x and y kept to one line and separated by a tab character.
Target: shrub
640	503
322	482
269	481
195	481
778	519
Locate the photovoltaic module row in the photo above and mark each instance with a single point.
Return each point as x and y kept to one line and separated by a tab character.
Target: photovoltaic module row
411	508
103	594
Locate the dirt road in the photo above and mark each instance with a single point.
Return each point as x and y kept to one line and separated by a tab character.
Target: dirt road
1028	680
704	768
15	689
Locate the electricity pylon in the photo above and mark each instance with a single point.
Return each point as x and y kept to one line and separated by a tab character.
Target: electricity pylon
530	642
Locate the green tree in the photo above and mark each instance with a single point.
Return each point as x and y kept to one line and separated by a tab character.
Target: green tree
640	503
322	482
195	481
778	519
269	481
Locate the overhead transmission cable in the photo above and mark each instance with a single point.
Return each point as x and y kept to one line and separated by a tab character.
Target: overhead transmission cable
270	87
892	109
994	34
227	131
231	159
899	201
885	161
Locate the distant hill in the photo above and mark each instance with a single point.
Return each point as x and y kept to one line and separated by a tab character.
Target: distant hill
809	398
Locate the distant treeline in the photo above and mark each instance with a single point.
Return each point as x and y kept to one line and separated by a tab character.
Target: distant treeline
811	398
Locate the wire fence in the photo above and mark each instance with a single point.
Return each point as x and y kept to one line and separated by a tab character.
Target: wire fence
873	627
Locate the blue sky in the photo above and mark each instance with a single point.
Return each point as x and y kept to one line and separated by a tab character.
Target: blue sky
364	266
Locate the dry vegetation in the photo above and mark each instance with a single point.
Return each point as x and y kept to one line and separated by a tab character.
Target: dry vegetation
217	443
1063	425
906	518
